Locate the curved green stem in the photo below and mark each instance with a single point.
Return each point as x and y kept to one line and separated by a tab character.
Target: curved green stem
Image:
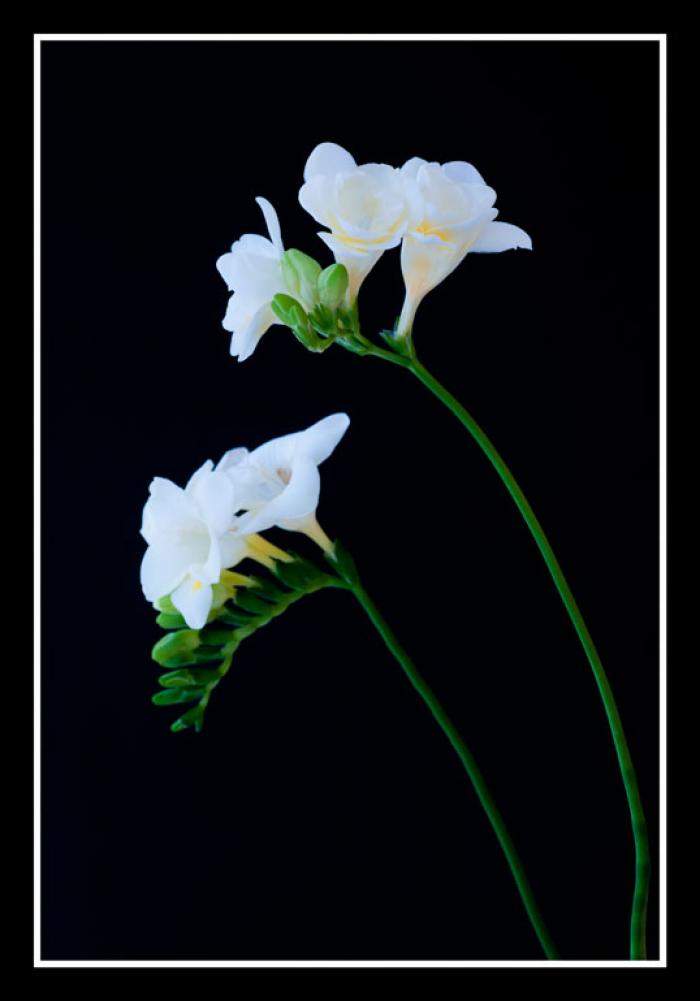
467	759
629	778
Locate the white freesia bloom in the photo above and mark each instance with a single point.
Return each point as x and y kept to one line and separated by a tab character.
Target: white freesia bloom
279	482
253	272
364	207
451	213
192	536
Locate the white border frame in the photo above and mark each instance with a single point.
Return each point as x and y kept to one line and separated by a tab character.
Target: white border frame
350	964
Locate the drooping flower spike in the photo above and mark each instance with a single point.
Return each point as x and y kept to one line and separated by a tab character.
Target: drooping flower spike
275	484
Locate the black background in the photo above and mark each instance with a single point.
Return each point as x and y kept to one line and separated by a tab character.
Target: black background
321	813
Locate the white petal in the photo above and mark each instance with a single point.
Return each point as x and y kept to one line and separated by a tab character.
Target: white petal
193	600
199	474
315	442
272	222
246	257
211	570
381	172
424	265
500	236
167	509
239	312
233	457
358	262
355	254
315	197
163	566
233	549
214	496
254	275
245	341
318	441
299	498
328	158
412	166
463	173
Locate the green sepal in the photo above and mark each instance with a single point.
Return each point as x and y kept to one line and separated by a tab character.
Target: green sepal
233	618
175	696
351	343
193	717
267	589
332	285
248	601
305	334
216	637
347	318
183	679
323	321
220	594
168	621
176	645
205	656
343	563
297	574
401	345
165	604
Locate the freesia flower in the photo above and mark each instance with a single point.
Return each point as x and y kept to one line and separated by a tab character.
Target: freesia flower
253	272
279	484
451	213
364	207
192	536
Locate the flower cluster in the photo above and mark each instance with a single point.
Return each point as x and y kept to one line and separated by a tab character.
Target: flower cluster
438	213
196	534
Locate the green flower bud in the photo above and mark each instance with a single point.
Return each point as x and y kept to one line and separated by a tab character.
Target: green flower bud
282	305
185	678
301	274
176	648
332	285
292	315
175	696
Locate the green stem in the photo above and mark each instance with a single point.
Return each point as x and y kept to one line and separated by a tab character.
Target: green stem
467	759
629	778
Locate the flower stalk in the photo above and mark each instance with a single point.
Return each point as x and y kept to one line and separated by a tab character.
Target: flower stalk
409	360
476	778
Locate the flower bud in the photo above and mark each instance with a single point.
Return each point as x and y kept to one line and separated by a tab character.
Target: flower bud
291	314
301	274
332	285
176	648
282	306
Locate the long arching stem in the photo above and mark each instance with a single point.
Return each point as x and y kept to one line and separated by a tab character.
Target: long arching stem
629	778
492	812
